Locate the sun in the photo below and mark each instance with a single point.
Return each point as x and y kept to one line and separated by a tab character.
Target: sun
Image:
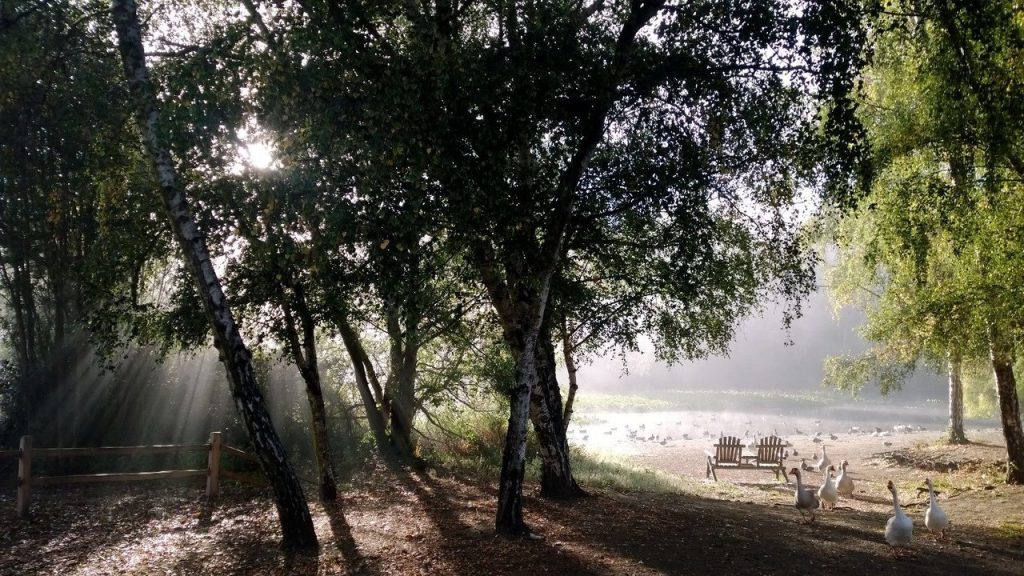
259	155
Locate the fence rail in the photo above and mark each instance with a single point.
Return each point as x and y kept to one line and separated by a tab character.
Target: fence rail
117	477
26	454
120	450
240	453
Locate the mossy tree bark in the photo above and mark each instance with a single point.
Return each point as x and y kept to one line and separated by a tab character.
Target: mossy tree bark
546	413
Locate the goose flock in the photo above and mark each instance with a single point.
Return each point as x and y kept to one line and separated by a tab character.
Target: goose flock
837	482
899	529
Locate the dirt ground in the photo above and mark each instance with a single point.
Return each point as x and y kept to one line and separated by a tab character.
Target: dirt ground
393	522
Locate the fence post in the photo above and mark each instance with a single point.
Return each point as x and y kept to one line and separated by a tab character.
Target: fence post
213	466
24	477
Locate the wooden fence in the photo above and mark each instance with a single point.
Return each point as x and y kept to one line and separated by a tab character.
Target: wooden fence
214	448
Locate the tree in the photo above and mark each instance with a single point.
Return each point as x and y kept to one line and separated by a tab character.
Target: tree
993	78
61	167
907	319
517	151
371	259
277	296
463	120
296	522
930	245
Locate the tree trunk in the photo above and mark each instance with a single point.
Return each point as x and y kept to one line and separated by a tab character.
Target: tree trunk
519	287
18	336
293	512
1009	407
570	366
403	405
28	303
546	413
509	519
520	319
304	355
374	417
25	404
520	301
956	402
401	382
57	352
321	442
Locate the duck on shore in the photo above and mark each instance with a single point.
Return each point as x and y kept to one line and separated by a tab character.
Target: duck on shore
806	501
935	518
827	493
899	530
844	484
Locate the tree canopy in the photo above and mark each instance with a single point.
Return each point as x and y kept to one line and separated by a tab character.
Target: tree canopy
487	178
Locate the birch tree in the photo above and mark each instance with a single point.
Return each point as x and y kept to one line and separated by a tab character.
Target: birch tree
293	512
515	128
930	251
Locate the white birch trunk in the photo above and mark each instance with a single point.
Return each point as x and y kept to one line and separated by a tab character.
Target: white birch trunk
293	512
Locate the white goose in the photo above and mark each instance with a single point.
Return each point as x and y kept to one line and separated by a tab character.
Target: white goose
806	500
844	484
827	492
935	517
899	530
823	464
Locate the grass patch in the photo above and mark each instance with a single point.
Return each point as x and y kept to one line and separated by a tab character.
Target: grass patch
594	470
704	400
1010	529
468	443
610	473
598	402
600	471
746	400
472	448
586	420
942	483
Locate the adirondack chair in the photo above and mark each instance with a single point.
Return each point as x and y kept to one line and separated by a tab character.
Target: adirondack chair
771	451
729	454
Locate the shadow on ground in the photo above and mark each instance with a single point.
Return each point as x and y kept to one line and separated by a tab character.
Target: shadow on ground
398	522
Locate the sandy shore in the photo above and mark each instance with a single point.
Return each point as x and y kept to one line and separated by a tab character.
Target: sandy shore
863	451
969	477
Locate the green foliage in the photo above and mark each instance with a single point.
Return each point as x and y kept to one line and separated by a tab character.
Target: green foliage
930	254
979	391
71	214
588	401
980	400
649	162
681	159
851	373
471	441
60	123
707	400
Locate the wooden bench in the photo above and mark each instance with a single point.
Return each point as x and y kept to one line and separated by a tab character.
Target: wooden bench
729	454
